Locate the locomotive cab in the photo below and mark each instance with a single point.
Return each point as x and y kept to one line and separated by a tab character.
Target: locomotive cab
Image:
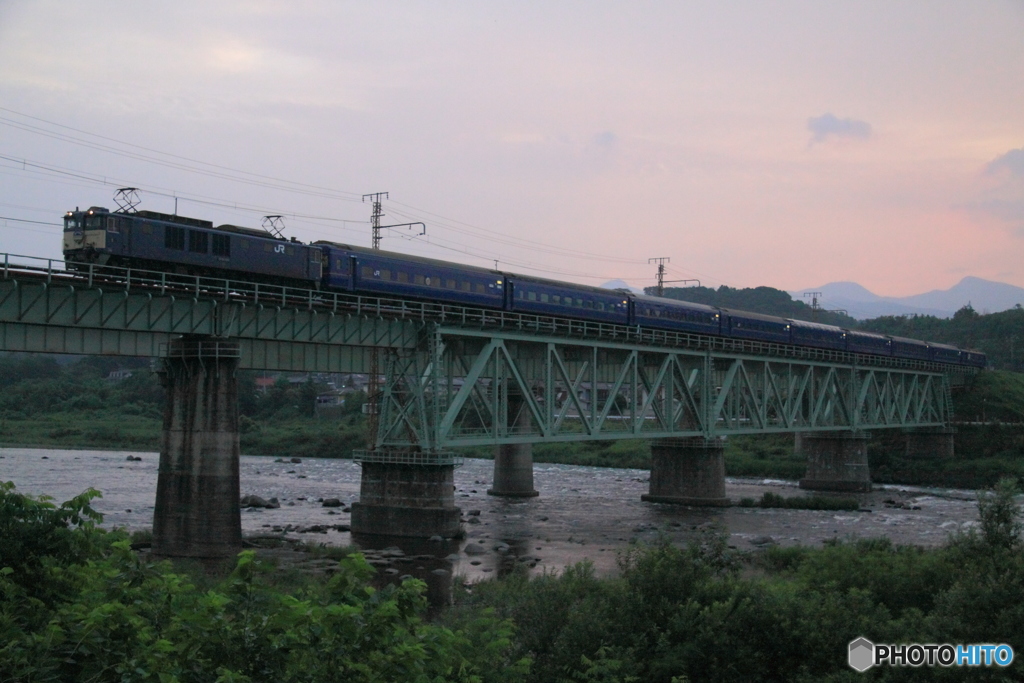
85	236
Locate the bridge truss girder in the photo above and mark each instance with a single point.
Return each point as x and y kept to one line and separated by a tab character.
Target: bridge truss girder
463	387
66	317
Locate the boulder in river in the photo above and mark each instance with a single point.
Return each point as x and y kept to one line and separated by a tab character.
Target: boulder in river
253	501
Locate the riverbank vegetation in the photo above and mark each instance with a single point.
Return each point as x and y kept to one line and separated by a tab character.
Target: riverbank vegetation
79	604
74	405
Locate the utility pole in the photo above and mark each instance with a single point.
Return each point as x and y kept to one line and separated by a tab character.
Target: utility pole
815	307
373	381
661	261
376	215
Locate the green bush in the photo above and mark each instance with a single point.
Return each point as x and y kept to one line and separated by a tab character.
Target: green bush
78	605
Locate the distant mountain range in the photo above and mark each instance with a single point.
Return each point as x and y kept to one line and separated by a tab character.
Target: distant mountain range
984	296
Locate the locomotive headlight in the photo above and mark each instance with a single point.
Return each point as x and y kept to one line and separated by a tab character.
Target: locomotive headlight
499	282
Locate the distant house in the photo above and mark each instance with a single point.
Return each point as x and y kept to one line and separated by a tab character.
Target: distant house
118	375
263	384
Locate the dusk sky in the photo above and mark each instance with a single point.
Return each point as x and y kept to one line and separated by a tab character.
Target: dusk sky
788	144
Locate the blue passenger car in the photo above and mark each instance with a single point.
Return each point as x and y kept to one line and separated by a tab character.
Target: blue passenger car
817	334
548	297
391	274
162	242
745	325
859	341
975	359
944	353
672	314
903	347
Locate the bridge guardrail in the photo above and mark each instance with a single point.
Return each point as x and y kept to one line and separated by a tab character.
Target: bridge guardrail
257	293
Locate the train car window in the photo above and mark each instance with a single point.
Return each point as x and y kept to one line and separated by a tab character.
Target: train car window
402	277
556	299
316	256
198	242
466	286
418	279
451	284
600	305
544	298
384	274
579	303
532	296
290	251
147	228
174	238
221	245
480	289
112	225
366	271
588	304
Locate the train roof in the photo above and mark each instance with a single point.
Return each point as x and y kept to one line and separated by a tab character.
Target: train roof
252	232
571	285
171	218
865	333
408	257
754	316
665	301
908	340
813	326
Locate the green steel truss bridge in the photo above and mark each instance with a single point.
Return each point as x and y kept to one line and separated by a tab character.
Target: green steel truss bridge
458	376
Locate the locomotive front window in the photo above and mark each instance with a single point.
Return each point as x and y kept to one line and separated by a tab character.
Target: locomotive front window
93	222
72	223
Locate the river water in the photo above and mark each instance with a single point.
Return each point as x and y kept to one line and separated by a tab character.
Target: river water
581	512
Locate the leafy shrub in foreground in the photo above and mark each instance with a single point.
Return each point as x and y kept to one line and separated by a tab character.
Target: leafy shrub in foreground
79	605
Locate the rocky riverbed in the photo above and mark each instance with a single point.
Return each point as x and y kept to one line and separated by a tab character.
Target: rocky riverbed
581	512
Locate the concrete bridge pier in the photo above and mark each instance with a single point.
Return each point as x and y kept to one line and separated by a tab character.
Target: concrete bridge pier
197	512
836	461
930	443
406	499
513	463
688	471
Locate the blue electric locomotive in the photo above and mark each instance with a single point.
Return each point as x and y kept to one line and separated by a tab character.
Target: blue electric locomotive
162	242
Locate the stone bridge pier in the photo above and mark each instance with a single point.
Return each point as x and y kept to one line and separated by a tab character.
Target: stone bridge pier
404	494
688	471
836	461
197	511
513	463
